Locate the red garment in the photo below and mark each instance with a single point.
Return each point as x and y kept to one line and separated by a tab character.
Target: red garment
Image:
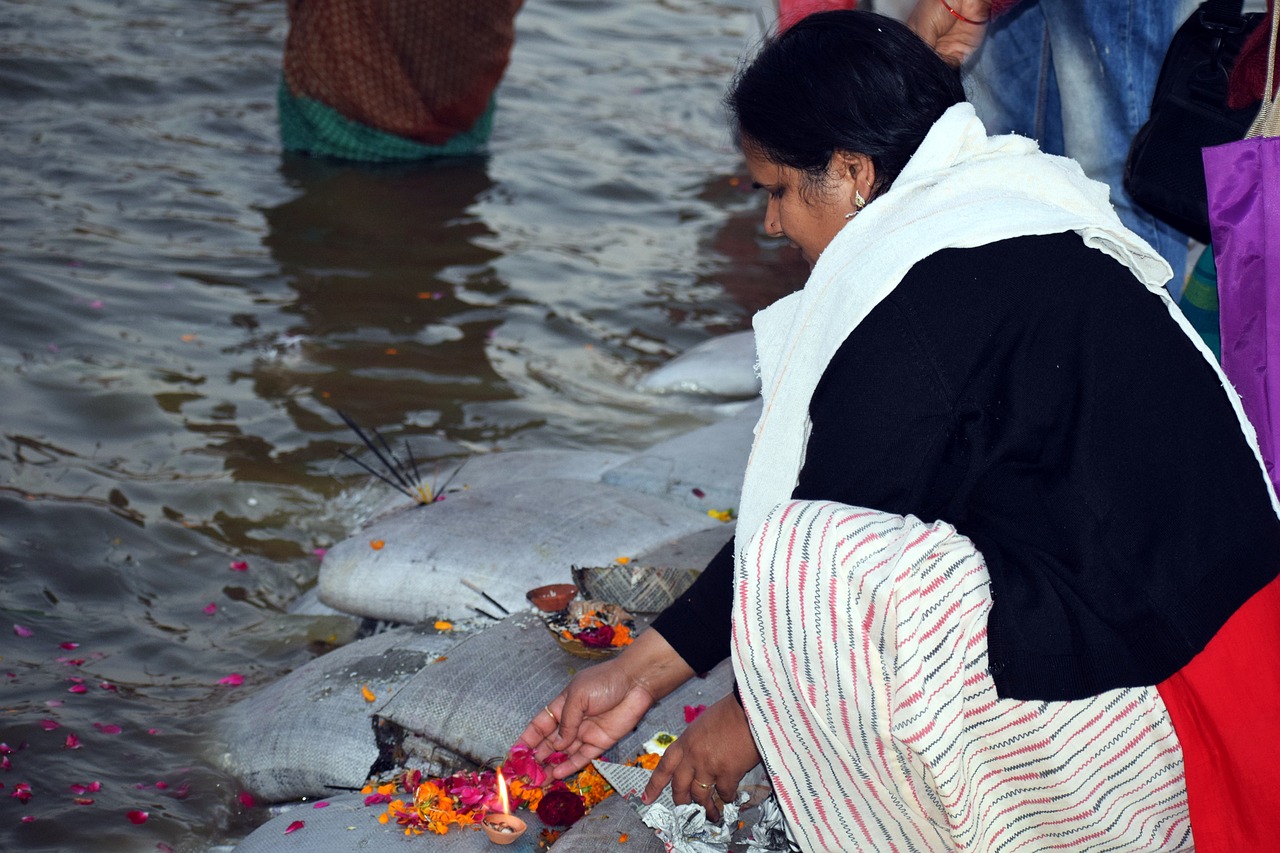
1223	706
1249	77
791	11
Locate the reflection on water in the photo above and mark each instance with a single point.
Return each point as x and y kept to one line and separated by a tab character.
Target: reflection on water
185	312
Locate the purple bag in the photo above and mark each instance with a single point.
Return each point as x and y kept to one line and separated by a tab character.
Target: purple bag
1243	181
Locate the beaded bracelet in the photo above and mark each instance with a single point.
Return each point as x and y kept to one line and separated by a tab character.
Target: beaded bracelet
960	17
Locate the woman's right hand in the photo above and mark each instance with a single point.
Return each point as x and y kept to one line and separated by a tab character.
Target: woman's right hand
605	702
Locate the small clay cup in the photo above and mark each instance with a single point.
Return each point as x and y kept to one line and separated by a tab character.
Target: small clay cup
492	823
552	598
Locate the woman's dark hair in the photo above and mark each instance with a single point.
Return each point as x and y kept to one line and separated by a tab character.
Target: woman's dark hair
842	81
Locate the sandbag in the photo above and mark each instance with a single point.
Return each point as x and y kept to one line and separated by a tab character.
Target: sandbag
313	728
721	367
475	703
409	567
701	469
346	823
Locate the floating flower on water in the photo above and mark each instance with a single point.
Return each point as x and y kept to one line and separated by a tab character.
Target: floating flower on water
107	685
211	608
692	712
77	686
153	731
21	792
91	788
49	725
68	645
235	679
83	801
369	695
162	785
239	566
23	631
6	765
377	544
72	742
108	728
137	816
294	827
26	818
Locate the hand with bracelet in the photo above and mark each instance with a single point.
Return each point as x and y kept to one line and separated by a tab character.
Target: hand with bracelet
953	28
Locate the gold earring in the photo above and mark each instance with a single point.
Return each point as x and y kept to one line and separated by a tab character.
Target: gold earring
858	201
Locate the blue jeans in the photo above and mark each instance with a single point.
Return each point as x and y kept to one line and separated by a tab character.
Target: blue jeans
1078	76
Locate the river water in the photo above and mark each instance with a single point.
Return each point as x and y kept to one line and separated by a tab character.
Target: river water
185	311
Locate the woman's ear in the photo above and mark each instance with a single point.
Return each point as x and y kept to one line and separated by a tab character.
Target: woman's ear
856	174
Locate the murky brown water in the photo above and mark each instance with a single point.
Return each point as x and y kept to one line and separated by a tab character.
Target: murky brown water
184	312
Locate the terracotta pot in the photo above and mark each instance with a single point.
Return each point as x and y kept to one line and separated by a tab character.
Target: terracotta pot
503	828
553	597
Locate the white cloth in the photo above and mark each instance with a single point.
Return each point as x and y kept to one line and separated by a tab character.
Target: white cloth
859	644
961	189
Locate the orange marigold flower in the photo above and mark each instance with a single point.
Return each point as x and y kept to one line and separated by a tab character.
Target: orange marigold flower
621	636
648	761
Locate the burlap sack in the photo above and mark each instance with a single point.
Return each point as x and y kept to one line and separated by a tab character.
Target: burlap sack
312	731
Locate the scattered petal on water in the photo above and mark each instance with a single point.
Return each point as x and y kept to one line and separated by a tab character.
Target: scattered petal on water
97	303
108	728
235	679
77	688
5	749
153	731
211	608
162	785
239	566
68	645
137	816
23	631
26	818
53	703
182	791
72	742
377	544
107	685
84	801
368	694
49	725
246	800
6	765
294	827
91	788
189	337
21	792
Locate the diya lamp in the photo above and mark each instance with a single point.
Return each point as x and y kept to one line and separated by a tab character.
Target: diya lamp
503	827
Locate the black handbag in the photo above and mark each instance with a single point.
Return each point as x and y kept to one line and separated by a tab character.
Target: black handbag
1164	172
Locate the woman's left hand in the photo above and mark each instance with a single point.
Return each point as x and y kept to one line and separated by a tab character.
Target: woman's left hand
707	762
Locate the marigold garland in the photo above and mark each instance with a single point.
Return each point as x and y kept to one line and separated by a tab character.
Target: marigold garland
421	804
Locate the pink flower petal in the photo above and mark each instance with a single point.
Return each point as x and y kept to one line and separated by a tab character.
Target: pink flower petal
211	608
53	703
68	646
6	765
239	566
294	827
182	791
107	685
73	742
108	728
23	631
137	816
84	801
235	679
319	552
5	749
323	804
77	688
153	731
692	712
26	818
247	800
49	725
162	785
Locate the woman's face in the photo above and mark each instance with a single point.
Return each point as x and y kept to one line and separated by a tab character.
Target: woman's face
808	215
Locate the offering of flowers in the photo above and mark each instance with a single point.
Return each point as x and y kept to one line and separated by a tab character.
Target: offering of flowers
592	629
422	804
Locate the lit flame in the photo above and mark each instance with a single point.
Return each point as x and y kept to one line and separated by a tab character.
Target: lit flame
502	793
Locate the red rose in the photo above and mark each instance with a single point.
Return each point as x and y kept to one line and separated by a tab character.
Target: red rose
561	807
601	637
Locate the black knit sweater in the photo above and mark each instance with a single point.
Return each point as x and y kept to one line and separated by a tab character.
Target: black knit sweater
1037	397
